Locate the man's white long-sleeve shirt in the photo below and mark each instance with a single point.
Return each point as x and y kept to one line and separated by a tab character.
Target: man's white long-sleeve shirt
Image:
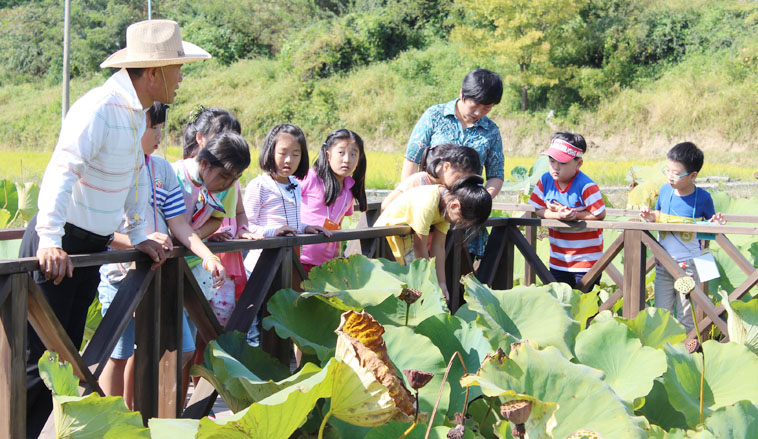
90	181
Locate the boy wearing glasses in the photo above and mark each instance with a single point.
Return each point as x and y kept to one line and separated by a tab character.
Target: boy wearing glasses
680	201
566	193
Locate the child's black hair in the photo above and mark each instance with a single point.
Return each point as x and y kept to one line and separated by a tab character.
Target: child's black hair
573	138
208	122
461	158
266	158
331	185
226	150
476	202
157	114
483	86
688	154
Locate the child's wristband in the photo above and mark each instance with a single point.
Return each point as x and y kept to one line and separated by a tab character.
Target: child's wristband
208	259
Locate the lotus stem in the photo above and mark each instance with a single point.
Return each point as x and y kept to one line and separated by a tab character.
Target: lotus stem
442	387
699	340
323	424
407	310
410	429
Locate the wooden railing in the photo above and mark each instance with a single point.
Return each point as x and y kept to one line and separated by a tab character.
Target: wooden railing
158	297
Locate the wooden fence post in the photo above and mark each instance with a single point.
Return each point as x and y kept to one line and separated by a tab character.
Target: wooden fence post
147	355
634	274
170	369
13	356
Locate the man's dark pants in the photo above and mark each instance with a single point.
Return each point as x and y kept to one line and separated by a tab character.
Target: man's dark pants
70	301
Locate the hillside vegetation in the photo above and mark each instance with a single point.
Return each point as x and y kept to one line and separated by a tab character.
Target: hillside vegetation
633	77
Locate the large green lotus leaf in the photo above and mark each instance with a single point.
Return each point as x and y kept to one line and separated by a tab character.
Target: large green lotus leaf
420	275
727	366
277	416
451	334
629	367
95	417
742	323
736	421
527	313
658	410
27	200
409	350
584	400
5	217
8	196
352	283
308	321
583	305
655	327
242	374
173	428
58	375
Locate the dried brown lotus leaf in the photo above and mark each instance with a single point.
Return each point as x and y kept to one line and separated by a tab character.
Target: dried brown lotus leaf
360	346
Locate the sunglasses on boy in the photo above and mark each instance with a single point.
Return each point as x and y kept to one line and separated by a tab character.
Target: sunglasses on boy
665	171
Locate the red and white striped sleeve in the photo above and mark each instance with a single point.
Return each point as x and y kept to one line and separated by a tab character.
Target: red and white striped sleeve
593	199
537	198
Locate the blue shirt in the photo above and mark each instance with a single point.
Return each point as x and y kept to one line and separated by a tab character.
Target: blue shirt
439	125
675	209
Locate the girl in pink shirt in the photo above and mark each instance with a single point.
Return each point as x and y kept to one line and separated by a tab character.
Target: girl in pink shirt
328	190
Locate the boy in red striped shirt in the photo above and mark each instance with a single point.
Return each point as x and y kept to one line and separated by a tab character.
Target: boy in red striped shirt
566	193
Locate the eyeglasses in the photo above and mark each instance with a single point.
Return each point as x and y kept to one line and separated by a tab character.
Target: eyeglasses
667	172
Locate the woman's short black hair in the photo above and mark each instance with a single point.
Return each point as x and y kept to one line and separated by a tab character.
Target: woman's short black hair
483	86
266	158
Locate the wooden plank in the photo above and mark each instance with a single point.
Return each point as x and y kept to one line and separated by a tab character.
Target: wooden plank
530	255
11	234
453	256
147	355
51	332
628	225
585	284
634	274
170	367
608	304
503	279
735	254
530	233
121	311
493	252
12	356
615	275
698	296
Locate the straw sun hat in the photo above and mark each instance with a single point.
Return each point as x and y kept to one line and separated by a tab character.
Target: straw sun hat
154	43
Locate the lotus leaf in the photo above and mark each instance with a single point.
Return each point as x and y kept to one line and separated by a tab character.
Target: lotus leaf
96	417
736	421
526	313
658	409
742	323
452	334
409	350
173	428
541	421
58	375
370	393
242	374
584	400
420	275
5	218
352	283
8	196
655	327
629	367
28	194
726	367
277	416
583	305
295	317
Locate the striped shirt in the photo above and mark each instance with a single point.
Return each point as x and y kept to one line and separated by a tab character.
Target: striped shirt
572	250
90	180
268	206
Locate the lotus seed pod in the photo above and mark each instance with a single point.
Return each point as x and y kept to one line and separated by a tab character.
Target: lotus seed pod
456	432
684	285
417	378
410	295
516	412
692	345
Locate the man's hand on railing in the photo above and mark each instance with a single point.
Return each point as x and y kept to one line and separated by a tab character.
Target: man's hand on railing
154	250
55	263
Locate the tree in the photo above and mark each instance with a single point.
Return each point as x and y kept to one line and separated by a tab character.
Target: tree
521	33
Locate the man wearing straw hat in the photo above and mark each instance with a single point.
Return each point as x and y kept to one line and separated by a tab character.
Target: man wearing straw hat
92	183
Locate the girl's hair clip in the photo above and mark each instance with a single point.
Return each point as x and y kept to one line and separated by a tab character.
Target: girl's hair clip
480	185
